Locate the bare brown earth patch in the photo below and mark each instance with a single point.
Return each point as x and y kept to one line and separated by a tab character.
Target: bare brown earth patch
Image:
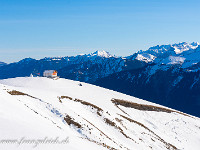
15	92
111	123
140	106
88	104
99	110
70	121
102	144
62	97
145	107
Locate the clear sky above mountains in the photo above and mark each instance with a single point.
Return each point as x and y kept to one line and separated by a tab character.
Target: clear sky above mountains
39	28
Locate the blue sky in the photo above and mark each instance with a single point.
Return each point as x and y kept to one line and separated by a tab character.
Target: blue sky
40	28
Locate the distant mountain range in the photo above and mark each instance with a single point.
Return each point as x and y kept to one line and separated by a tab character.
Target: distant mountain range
165	74
86	68
171	77
2	63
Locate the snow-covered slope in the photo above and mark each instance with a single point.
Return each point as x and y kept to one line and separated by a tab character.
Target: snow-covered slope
91	117
145	57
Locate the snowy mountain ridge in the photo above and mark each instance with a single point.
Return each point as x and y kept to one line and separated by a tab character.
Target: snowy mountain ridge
184	54
98	53
172	48
2	63
91	117
85	68
101	54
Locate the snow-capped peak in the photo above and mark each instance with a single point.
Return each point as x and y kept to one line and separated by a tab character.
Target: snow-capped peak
195	44
176	48
181	47
101	54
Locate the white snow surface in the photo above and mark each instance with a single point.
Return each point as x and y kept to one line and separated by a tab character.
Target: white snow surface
41	111
172	60
145	57
100	54
181	47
